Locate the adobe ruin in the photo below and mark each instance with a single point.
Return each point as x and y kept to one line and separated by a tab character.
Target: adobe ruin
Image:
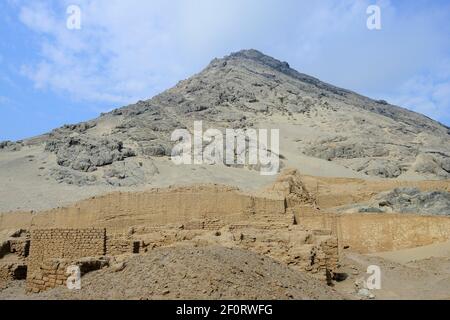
283	222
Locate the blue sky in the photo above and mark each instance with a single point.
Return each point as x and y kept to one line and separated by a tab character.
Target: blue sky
131	50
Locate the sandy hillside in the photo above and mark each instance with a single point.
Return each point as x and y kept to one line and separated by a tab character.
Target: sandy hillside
28	186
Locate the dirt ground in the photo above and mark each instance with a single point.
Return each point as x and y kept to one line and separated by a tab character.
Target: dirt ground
426	279
223	273
191	273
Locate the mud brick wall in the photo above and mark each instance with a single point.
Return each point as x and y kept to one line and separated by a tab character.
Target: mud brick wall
205	224
51	273
68	244
329	246
300	249
369	233
213	224
117	212
265	222
11	271
5	275
117	245
20	247
327	256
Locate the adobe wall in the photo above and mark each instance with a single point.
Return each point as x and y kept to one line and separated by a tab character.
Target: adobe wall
120	244
6	275
119	211
300	249
51	274
12	271
47	244
14	249
212	207
370	233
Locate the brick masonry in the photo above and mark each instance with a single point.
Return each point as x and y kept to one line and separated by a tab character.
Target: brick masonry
50	274
118	244
53	250
64	244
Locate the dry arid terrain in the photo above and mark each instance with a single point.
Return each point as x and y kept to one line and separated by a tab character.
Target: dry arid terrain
362	183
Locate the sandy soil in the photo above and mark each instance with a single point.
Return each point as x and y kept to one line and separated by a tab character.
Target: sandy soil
419	274
437	250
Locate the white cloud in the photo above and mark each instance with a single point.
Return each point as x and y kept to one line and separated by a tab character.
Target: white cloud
39	18
116	58
7	103
131	50
427	95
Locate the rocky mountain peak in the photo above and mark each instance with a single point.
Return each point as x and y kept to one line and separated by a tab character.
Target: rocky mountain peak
258	57
248	89
264	66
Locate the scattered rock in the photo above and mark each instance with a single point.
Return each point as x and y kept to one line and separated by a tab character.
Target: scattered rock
129	173
72	177
11	146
